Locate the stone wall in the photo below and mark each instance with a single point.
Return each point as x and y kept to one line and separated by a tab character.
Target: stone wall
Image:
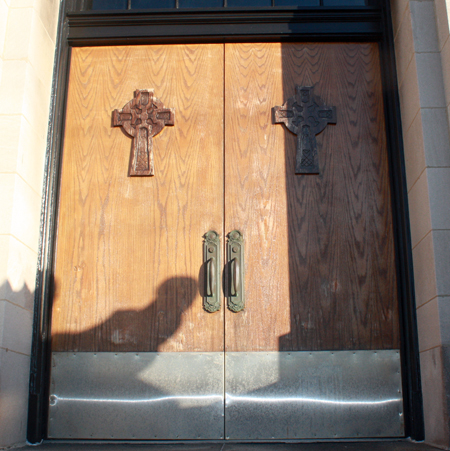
422	49
27	47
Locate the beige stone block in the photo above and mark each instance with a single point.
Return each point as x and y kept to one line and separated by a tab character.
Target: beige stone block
31	157
48	11
436	138
434	397
409	95
444	319
3	21
7	184
445	61
18	265
398	9
448	112
428	325
22	210
439	194
419	210
28	39
431	82
404	46
424	26
42	51
18	34
441	21
9	131
414	151
26	214
21	92
424	271
15	333
441	244
15	371
21	150
22	3
447	3
36	104
12	86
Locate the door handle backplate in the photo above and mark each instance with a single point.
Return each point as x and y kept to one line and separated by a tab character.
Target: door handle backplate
211	264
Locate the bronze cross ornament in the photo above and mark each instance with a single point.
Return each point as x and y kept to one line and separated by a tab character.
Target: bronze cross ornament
305	115
142	118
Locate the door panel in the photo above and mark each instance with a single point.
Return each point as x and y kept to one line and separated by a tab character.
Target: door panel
314	353
129	249
255	194
319	252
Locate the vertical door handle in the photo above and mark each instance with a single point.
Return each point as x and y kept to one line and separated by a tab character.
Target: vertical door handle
210	277
234	269
211	264
235	257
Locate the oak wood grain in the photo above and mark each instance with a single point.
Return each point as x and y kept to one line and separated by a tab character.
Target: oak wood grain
129	249
255	194
319	252
319	258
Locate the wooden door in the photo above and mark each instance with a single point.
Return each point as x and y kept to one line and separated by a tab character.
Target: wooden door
320	314
133	351
320	260
129	249
319	335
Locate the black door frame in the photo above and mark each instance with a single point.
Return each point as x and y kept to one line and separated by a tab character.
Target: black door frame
96	28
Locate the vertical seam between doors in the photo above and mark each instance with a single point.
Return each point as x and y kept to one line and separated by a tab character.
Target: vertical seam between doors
223	244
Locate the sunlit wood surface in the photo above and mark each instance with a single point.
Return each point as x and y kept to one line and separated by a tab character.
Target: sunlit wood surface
319	252
129	249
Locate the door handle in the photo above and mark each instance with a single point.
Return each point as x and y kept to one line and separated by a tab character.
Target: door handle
211	264
210	277
234	263
235	257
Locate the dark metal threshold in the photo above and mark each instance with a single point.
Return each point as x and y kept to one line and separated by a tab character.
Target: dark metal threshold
385	445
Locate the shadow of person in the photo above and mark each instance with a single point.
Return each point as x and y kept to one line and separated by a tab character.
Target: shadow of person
112	383
136	330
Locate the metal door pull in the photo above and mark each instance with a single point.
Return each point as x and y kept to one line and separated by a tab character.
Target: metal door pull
235	257
211	263
234	277
210	279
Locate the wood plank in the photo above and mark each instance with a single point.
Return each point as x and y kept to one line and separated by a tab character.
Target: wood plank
255	194
129	249
320	264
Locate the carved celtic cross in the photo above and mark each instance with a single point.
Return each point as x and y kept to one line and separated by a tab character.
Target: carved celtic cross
142	118
305	115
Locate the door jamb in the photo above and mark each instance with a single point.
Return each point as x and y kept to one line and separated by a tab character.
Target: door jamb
188	26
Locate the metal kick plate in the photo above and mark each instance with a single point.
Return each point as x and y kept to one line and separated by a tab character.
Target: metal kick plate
177	395
312	395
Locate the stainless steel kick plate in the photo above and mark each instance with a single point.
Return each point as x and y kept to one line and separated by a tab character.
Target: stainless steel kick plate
311	395
147	396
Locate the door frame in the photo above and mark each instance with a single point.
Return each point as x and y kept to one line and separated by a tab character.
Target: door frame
96	28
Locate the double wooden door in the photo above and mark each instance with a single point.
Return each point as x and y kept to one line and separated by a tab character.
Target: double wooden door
319	259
